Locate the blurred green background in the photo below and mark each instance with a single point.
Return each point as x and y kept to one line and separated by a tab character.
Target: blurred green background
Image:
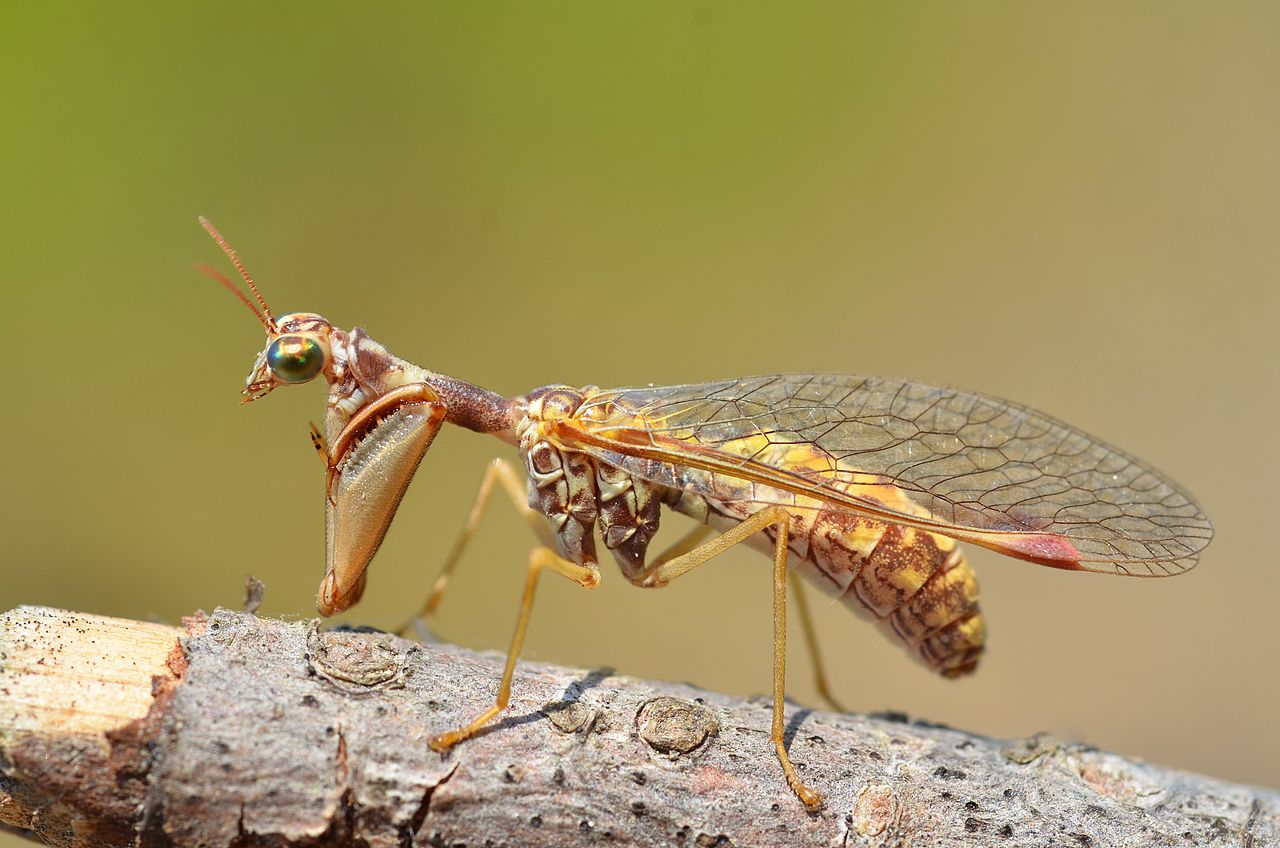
1071	205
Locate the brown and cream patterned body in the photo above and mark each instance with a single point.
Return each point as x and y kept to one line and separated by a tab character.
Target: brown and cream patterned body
871	479
917	585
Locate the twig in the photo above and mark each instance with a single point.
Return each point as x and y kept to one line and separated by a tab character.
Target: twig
243	731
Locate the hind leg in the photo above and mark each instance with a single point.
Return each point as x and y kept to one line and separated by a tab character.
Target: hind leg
811	641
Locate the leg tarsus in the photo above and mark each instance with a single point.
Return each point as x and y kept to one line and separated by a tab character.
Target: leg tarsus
812	800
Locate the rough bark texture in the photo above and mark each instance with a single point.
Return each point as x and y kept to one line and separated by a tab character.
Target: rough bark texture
242	731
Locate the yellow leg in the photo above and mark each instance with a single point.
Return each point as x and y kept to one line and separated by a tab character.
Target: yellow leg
587	576
811	639
513	484
690	541
686	543
662	573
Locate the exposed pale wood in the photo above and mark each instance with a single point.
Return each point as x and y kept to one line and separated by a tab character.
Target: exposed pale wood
261	732
69	674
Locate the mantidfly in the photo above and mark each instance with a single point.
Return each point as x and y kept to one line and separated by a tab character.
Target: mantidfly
861	484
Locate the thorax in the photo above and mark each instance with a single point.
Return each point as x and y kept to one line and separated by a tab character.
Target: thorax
576	493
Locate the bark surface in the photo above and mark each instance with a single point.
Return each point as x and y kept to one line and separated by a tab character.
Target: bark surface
240	731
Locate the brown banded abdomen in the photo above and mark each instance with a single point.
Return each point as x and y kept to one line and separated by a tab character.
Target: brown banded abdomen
915	583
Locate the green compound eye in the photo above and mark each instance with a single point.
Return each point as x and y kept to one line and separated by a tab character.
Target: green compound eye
295	359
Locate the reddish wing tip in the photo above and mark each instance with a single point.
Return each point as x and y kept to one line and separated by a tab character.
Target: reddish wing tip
1040	548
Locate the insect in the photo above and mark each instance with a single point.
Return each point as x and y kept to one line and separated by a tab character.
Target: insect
864	485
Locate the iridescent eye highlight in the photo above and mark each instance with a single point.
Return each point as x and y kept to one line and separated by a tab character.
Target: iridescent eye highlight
295	359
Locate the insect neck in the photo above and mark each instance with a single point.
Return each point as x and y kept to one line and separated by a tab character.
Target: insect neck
374	371
474	407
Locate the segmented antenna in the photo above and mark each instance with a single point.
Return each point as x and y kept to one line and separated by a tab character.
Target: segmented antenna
268	320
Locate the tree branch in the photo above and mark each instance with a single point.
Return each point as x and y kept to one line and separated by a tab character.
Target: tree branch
242	731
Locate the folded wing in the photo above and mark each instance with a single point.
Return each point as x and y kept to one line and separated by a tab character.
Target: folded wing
965	465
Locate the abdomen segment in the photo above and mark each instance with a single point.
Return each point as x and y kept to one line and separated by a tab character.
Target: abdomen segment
916	584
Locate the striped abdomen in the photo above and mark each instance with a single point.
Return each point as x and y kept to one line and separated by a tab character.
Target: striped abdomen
916	584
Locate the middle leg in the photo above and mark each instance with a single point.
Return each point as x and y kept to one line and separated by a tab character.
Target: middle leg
664	570
499	471
689	542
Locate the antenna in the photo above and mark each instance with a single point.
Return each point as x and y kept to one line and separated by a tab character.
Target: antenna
268	320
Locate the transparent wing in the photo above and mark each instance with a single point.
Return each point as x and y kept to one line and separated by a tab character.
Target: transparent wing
965	465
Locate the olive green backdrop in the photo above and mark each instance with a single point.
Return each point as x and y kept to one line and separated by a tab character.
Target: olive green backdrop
1074	206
